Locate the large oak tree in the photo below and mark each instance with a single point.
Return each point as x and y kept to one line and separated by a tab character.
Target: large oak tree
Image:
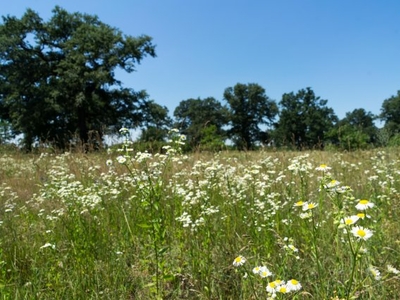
304	120
249	107
195	117
57	78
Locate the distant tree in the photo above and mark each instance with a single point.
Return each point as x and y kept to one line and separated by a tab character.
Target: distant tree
249	107
390	114
355	131
57	78
6	133
157	123
192	116
304	120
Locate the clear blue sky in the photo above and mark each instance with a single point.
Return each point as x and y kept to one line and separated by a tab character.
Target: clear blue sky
347	51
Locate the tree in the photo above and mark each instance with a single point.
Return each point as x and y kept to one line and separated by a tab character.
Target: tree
249	107
157	124
304	120
192	116
57	78
390	114
355	131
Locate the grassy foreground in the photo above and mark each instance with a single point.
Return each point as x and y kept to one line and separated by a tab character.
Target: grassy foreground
126	225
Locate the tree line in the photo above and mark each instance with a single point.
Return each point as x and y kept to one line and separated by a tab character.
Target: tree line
58	87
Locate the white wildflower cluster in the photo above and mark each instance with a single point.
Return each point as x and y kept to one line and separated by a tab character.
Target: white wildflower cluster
273	287
300	165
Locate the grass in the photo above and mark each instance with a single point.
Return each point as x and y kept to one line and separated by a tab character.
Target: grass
129	225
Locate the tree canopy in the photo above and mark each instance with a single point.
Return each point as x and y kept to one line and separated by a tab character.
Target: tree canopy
249	107
356	130
198	118
304	120
390	113
57	78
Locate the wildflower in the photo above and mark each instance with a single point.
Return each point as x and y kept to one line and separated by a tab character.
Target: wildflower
283	289
239	261
299	203
349	220
309	206
256	270
393	270
124	130
264	272
364	204
109	162
293	285
332	184
271	286
121	159
305	215
323	167
375	272
361	215
361	233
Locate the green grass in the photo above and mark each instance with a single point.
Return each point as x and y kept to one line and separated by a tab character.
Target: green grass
170	226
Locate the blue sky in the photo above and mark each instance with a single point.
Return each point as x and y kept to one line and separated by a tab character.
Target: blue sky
347	51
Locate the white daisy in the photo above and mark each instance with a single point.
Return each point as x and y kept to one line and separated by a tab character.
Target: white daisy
239	261
364	204
361	233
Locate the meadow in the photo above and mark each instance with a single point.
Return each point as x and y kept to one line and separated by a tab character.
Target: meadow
229	225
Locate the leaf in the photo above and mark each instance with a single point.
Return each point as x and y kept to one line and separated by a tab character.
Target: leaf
143	225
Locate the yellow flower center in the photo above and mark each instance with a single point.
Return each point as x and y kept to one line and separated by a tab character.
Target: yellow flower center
294	282
361	232
361	215
348	221
364	202
282	289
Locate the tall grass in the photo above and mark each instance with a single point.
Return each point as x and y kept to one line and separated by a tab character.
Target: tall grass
234	225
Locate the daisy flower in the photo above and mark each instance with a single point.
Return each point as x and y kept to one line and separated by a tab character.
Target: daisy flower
364	204
361	215
264	272
349	220
283	289
256	270
293	285
323	167
299	203
273	285
307	206
239	261
361	233
121	159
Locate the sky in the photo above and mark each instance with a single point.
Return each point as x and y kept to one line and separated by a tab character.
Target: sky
347	51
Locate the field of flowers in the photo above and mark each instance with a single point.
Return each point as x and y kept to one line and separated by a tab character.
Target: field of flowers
235	225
